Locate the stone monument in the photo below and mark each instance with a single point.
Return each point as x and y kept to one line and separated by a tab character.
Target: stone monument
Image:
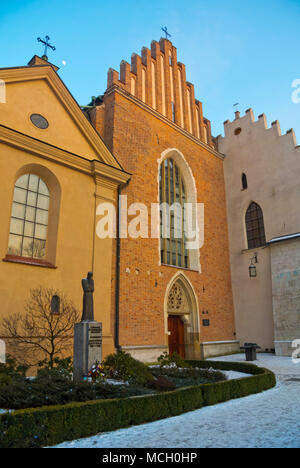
87	334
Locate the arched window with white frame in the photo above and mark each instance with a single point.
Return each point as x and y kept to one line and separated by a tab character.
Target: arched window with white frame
29	218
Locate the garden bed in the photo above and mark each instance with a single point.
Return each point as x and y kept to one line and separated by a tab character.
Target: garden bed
119	377
51	425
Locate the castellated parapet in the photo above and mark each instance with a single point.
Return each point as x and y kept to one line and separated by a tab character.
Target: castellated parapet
156	78
238	129
271	162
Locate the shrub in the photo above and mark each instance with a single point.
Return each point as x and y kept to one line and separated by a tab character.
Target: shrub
124	367
261	379
163	384
187	376
63	366
56	374
243	367
52	388
13	369
5	380
173	360
55	424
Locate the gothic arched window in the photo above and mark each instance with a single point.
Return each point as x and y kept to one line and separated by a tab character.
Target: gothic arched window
172	215
244	182
255	226
29	218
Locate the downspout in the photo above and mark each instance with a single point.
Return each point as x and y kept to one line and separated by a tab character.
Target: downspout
118	262
117	291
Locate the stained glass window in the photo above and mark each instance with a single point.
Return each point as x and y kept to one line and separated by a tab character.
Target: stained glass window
172	193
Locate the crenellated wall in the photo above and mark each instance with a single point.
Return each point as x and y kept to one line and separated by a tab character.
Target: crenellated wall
258	129
267	307
159	80
271	162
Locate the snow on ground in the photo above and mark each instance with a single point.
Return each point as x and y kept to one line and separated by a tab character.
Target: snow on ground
268	419
116	382
231	375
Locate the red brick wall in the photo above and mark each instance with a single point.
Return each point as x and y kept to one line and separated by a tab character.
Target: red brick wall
137	137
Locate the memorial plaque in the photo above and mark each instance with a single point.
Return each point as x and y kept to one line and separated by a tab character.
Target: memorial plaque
95	335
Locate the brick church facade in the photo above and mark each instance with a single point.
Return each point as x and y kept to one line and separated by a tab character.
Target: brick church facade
163	297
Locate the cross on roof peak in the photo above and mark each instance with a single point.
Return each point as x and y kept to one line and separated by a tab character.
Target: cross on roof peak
46	44
165	30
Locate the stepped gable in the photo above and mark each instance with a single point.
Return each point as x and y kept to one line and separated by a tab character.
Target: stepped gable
156	78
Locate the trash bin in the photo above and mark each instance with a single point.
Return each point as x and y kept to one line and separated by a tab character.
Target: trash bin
250	351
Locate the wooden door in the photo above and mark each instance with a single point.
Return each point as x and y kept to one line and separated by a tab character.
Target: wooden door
176	336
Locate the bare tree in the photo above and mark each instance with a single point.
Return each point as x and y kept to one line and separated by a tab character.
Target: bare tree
39	333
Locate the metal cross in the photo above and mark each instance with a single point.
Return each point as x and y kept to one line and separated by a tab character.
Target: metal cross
46	43
165	30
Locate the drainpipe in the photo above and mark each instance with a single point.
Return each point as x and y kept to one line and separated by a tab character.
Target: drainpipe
118	261
117	291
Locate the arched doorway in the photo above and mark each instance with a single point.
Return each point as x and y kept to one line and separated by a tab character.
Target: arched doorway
182	318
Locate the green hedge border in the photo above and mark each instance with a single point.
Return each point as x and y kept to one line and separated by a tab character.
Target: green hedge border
52	425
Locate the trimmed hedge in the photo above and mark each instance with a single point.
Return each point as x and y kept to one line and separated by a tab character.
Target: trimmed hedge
55	424
262	379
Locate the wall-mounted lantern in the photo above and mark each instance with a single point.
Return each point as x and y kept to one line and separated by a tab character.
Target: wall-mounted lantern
252	267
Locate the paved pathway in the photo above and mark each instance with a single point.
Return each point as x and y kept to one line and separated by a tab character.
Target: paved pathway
269	419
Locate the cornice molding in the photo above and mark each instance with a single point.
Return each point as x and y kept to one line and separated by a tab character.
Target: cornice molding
43	150
102	172
112	174
146	107
47	73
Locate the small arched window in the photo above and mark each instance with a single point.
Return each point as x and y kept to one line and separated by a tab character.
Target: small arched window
255	226
244	182
29	219
172	191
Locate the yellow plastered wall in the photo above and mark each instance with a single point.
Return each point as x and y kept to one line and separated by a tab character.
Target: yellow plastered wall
24	98
75	242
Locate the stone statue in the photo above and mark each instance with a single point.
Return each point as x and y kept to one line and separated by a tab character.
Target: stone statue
88	300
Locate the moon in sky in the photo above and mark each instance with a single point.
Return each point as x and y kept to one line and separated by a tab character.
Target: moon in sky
64	62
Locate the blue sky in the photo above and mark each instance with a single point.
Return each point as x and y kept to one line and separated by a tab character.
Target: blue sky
234	51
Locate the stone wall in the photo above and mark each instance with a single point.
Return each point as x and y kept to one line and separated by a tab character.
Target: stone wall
285	258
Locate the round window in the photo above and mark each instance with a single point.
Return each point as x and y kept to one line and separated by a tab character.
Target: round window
238	131
39	121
